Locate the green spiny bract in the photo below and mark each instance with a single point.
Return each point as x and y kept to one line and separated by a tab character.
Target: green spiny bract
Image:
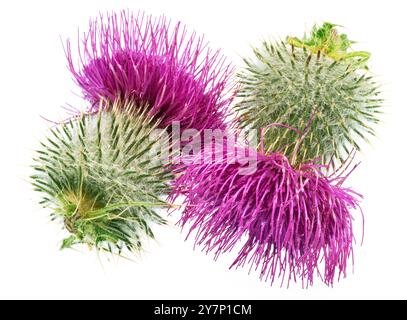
291	82
97	175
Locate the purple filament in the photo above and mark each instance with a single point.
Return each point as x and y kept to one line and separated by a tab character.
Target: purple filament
148	60
294	222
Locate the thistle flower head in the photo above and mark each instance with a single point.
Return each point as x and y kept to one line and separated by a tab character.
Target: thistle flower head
294	222
287	82
96	174
155	63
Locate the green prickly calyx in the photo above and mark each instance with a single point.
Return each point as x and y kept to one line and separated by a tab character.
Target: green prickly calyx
284	84
327	41
97	174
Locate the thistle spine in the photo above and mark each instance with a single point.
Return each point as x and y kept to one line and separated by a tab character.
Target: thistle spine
96	174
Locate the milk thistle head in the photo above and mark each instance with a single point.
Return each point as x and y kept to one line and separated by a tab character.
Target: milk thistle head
97	175
156	64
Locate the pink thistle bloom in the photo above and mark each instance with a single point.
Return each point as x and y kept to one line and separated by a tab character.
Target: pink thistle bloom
152	62
294	223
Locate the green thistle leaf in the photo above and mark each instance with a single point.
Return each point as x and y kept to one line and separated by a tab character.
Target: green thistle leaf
67	243
327	41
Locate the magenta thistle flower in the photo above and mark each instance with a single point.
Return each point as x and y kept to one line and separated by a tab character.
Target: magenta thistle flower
295	223
151	61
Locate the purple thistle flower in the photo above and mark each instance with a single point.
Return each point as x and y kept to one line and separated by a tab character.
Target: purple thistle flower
150	61
295	222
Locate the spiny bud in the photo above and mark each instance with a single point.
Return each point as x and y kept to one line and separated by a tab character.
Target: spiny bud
289	82
97	174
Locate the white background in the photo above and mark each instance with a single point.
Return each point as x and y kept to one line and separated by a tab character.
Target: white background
34	81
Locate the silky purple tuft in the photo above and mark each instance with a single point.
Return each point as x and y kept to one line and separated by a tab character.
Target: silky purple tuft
150	61
295	223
